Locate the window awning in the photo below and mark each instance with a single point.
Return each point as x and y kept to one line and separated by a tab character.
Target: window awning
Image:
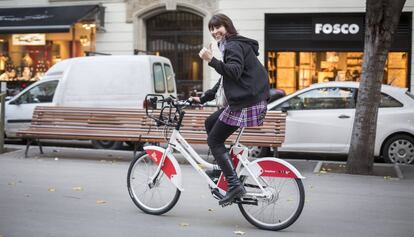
47	19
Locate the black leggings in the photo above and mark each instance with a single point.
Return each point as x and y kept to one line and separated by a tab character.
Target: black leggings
218	132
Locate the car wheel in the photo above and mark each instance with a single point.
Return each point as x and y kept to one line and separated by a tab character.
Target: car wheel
104	144
399	149
258	151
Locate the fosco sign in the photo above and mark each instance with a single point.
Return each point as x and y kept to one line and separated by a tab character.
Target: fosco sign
336	28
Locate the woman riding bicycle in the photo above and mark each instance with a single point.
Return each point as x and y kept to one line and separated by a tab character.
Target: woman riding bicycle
244	81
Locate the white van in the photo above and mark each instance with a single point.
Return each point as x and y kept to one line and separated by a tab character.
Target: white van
99	81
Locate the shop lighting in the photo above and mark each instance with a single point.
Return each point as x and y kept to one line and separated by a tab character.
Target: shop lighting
88	26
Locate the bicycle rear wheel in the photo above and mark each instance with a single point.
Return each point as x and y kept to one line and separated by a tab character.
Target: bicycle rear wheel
280	210
159	198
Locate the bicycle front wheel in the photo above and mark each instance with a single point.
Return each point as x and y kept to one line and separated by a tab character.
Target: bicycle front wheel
154	199
278	211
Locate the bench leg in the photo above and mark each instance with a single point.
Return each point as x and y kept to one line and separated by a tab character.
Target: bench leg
275	152
29	141
40	146
135	149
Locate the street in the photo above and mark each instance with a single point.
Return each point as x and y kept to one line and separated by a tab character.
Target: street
82	192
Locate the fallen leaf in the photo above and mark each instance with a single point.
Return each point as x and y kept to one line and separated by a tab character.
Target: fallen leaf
55	150
323	172
77	189
387	177
100	201
184	224
56	158
27	195
51	190
12	183
211	209
239	232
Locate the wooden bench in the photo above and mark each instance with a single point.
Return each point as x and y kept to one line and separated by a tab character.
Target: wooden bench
132	125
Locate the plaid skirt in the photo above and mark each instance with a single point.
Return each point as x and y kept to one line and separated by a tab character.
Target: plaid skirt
246	117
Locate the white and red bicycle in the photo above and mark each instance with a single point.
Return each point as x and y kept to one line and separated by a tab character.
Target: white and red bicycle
275	194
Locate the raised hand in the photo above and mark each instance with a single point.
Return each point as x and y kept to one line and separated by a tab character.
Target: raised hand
206	53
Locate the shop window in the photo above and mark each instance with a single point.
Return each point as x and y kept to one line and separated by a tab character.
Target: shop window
170	78
285	66
42	93
307	68
292	71
159	83
323	98
396	69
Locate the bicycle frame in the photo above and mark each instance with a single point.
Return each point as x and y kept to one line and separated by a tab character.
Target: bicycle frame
239	153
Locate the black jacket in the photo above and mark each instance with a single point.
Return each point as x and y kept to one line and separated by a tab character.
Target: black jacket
245	79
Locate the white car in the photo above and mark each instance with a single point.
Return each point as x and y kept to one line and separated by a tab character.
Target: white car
320	120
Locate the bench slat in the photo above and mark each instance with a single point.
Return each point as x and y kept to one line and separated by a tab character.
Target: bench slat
126	124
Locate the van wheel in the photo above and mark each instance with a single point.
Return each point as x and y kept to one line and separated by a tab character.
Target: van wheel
104	144
140	145
399	149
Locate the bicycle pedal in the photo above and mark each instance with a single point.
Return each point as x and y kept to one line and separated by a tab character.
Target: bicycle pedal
236	200
216	194
226	204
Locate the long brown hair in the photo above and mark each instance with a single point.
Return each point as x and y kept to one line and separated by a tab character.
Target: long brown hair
220	19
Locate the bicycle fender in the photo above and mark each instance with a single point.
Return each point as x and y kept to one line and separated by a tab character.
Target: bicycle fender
272	167
171	167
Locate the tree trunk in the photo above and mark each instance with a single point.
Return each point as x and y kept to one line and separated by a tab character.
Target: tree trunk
381	20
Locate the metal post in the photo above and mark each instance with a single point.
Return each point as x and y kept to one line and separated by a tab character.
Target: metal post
2	101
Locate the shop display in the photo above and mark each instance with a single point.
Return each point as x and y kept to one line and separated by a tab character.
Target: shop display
23	63
292	71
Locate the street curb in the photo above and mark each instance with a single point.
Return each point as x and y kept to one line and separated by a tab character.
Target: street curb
397	169
318	167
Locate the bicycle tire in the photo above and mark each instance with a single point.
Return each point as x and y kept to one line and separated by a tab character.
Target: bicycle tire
277	224
146	170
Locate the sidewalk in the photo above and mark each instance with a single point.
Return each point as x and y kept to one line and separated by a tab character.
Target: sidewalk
336	204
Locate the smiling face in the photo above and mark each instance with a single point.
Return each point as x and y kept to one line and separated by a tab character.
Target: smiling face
218	33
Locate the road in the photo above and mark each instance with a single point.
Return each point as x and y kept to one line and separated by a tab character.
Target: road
82	192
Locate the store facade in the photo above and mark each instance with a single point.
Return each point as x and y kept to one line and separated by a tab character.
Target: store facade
32	39
306	48
300	42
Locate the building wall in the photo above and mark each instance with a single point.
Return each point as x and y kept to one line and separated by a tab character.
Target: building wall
248	16
118	36
123	24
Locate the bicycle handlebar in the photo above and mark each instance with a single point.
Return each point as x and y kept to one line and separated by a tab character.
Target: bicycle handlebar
171	103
